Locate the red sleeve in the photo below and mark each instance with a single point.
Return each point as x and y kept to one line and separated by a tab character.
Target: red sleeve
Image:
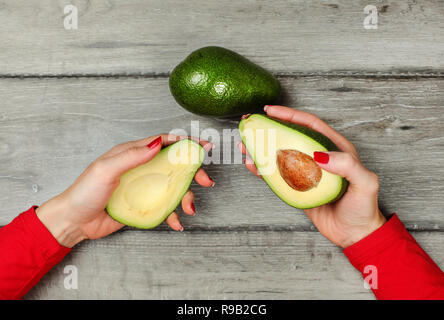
395	266
27	252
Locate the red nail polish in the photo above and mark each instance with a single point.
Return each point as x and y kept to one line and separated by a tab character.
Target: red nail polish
193	208
212	181
321	157
154	143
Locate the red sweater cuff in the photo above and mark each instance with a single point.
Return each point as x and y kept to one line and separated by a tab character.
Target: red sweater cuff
41	235
376	242
398	267
27	252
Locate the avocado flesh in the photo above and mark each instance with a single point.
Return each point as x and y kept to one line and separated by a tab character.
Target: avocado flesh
214	81
264	137
148	194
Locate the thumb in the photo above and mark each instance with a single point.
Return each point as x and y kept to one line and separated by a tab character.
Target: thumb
132	157
348	166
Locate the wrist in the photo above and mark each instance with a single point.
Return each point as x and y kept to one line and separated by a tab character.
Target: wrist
361	232
54	214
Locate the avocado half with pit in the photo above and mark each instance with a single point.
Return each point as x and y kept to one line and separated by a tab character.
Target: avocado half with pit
149	193
283	155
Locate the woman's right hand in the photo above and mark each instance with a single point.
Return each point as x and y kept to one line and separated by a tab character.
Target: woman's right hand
356	214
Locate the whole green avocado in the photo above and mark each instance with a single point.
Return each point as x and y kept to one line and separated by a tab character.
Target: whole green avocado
217	82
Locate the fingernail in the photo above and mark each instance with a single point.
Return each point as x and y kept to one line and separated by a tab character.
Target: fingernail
239	146
193	208
321	157
212	181
209	146
266	107
154	143
181	229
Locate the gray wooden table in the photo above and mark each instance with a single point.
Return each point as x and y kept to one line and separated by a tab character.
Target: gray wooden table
69	95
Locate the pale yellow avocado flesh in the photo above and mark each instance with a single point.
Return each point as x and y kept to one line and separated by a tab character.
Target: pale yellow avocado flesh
148	194
263	137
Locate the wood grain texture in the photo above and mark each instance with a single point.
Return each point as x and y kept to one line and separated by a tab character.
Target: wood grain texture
244	242
51	129
152	36
213	265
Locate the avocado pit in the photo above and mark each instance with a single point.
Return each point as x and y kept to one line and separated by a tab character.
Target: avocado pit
298	169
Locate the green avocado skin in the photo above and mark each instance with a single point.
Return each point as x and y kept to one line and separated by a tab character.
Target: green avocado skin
217	82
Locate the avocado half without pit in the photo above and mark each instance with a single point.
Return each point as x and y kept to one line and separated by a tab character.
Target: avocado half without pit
149	193
283	155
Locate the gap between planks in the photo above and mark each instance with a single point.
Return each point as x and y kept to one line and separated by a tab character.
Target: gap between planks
396	74
247	229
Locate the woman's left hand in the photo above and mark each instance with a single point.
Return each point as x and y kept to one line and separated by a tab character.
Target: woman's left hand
79	212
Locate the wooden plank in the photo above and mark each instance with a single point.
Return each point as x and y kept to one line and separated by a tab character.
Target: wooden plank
51	129
213	265
152	36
